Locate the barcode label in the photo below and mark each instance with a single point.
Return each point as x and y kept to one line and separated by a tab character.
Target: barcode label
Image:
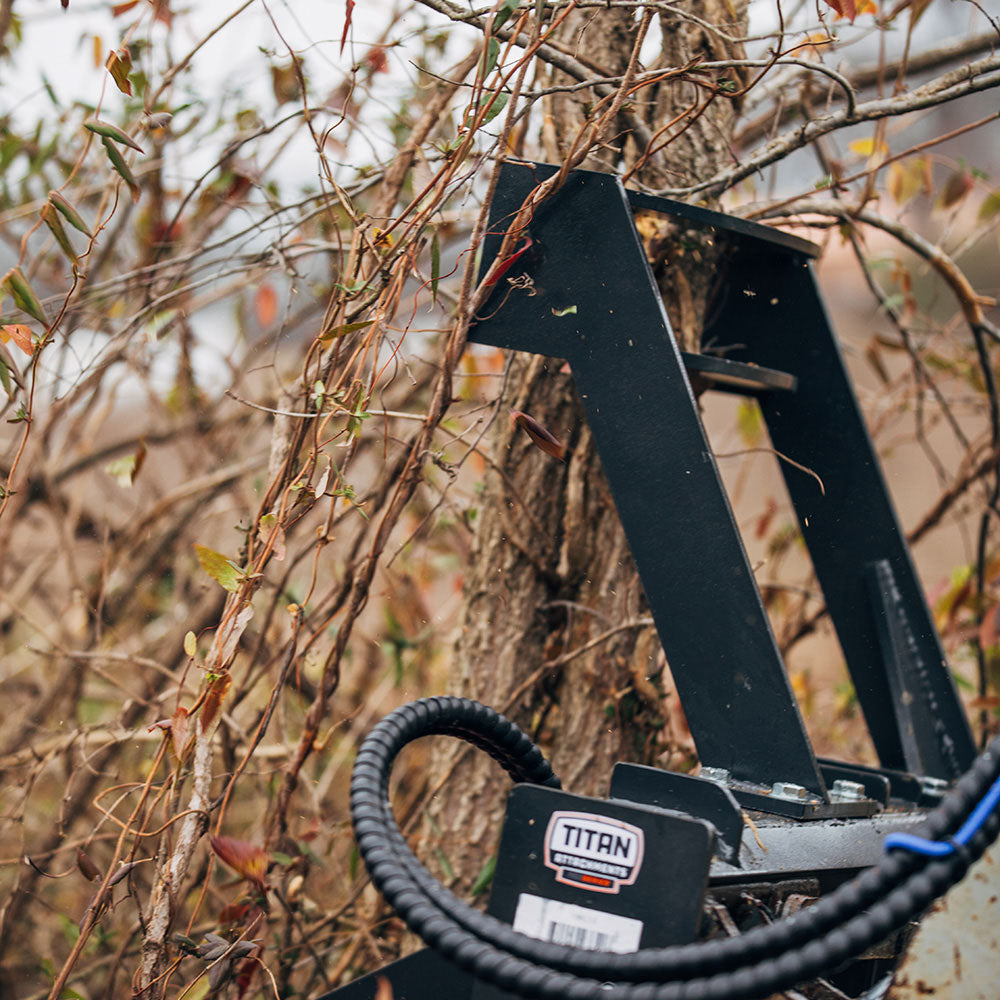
576	926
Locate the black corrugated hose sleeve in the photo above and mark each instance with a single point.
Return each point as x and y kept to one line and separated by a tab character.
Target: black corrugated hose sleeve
840	926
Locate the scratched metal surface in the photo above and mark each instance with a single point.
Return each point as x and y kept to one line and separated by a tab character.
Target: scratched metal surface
955	953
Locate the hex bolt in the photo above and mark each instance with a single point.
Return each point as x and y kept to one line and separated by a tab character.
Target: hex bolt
720	775
847	791
788	790
933	787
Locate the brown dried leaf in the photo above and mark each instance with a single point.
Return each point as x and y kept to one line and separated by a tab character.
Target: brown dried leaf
228	639
119	65
88	869
956	187
218	687
550	444
122	872
180	733
285	83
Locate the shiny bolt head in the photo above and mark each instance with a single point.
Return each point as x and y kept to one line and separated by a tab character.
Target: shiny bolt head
788	790
933	787
720	775
847	791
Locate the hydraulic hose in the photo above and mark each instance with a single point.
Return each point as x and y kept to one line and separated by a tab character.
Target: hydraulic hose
840	926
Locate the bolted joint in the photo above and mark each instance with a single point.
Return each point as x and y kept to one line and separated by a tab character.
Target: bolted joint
933	787
788	790
847	791
720	775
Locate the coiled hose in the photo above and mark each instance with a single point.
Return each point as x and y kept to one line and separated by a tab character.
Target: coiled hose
840	926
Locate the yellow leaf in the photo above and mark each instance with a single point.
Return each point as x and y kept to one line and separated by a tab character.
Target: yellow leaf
907	178
219	568
190	644
867	147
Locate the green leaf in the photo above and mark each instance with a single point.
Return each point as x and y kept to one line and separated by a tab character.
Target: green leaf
990	207
24	298
499	103
435	266
125	469
5	379
122	470
340	331
485	876
446	869
110	131
219	568
503	14
121	167
69	213
490	57
568	311
51	218
357	414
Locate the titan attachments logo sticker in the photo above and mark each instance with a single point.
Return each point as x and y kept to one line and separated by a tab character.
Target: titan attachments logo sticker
593	852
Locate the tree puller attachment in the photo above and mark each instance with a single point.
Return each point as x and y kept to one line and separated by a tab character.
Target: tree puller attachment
809	867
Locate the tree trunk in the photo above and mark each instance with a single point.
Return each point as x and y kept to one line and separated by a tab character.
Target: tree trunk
550	568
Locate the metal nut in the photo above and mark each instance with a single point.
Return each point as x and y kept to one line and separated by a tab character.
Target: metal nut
847	791
788	790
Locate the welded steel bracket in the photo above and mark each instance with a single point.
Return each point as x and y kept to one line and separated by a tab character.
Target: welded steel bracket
583	291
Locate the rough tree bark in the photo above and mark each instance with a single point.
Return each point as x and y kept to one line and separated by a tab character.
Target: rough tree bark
550	568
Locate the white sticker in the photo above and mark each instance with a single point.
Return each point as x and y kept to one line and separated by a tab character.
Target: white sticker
593	852
576	926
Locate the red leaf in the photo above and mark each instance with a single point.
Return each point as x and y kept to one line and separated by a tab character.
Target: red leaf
844	8
506	265
765	519
989	630
542	438
375	57
347	24
265	305
247	860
